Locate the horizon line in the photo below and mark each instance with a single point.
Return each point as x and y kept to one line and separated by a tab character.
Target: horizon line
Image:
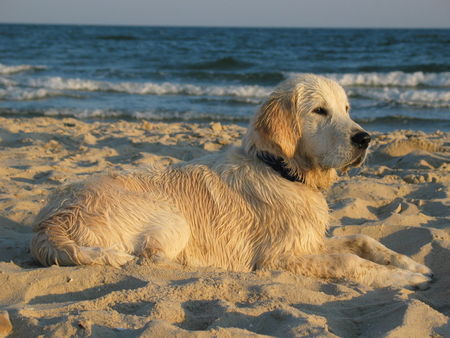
214	26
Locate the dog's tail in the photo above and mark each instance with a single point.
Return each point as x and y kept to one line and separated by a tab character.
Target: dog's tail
53	244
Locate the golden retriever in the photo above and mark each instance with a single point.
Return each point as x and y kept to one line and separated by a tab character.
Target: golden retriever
258	206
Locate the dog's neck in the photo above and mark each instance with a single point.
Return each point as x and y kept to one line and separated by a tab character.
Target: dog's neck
280	166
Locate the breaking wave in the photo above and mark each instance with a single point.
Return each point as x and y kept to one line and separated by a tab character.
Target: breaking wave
7	70
409	97
150	115
150	88
390	79
427	90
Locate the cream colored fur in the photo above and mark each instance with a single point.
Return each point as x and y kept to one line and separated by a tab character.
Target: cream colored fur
232	210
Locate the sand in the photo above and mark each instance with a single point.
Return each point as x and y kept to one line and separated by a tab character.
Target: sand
400	197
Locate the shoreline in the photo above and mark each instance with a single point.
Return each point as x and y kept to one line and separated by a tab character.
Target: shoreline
400	197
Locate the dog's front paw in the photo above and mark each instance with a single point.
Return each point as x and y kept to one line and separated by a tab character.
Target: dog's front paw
424	270
408	279
406	263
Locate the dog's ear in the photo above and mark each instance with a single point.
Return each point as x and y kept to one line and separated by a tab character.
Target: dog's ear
276	124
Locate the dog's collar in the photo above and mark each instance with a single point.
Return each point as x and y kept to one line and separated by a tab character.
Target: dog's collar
278	164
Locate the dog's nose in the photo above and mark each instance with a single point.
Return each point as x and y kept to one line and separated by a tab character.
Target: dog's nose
361	139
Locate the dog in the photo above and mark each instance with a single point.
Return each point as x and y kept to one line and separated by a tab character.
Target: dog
258	206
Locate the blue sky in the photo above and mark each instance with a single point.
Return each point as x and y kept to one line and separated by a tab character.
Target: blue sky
260	13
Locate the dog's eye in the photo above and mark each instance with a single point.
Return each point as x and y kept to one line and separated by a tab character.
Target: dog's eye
321	111
347	108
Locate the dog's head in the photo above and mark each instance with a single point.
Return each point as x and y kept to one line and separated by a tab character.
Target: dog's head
306	121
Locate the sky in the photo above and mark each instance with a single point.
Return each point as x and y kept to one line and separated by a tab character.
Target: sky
239	13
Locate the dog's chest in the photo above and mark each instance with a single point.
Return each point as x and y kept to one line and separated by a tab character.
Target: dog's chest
298	225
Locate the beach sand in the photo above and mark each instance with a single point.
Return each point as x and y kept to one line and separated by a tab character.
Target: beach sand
400	197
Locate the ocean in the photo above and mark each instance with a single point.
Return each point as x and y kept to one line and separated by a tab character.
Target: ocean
395	78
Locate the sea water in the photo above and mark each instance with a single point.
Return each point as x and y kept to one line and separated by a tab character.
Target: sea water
394	78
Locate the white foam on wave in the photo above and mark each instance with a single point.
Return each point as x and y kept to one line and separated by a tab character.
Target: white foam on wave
44	87
83	114
7	82
152	115
409	97
390	79
7	70
188	116
20	94
149	88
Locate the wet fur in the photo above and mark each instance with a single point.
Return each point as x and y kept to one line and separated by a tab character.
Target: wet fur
231	211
